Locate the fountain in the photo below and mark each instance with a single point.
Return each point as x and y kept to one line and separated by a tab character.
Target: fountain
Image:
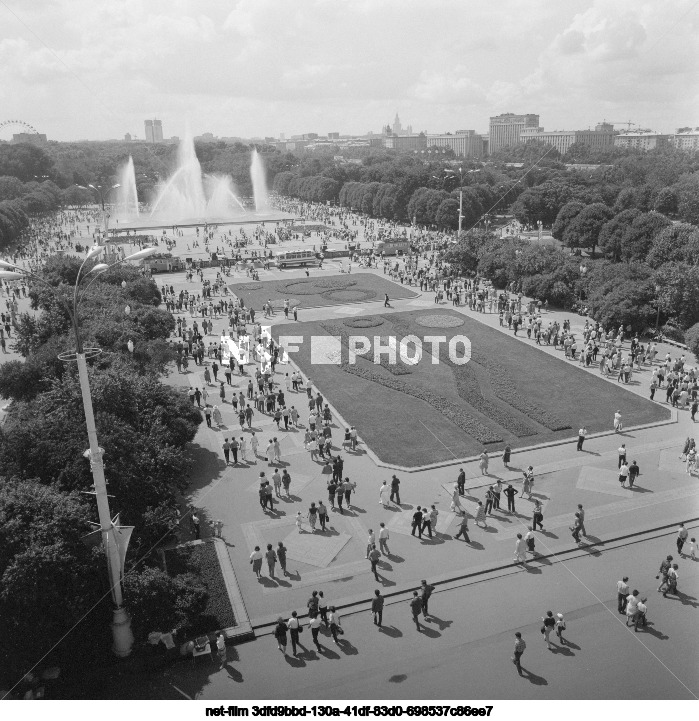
259	184
126	194
190	196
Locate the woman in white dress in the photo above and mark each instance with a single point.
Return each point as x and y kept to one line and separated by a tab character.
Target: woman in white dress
254	444
217	417
243	448
385	494
270	453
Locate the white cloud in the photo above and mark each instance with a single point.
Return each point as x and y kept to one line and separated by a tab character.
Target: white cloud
79	68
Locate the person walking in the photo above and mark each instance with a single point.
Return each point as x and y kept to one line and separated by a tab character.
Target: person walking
463	528
506	456
271	557
483	462
280	631
256	561
520	645
377	607
621	452
374	556
227	450
581	516
416	608
549	625
623	474
618	427
417	522
385	494
560	627
520	550
425	592
281	555
322	515
335	625
640	616
314	625
461	482
582	434
323	608
632	606
528	483
682	534
538	516
622	591
295	628
395	489
665	566
383	538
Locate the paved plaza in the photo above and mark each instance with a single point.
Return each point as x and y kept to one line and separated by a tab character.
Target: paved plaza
481	597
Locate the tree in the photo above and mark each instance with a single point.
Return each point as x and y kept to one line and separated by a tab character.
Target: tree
49	579
542	202
447	215
612	233
678	284
463	255
666	201
688	198
583	231
159	602
637	240
691	338
565	217
678	243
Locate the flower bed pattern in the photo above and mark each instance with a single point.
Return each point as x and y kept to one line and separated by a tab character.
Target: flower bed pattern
201	559
505	389
456	414
364	322
439	321
315	286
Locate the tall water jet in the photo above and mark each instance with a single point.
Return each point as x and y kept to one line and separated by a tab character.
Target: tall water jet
127	195
188	195
259	183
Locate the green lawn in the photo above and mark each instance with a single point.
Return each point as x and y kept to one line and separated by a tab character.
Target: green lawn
509	392
313	292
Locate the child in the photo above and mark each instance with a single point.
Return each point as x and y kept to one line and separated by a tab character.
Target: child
693	549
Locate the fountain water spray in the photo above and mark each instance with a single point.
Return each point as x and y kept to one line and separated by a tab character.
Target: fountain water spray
259	183
126	194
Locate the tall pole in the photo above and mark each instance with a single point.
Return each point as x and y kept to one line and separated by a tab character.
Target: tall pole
121	623
461	199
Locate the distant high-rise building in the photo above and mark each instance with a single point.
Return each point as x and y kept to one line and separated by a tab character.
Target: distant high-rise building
157	131
505	129
397	127
35	138
127	137
149	131
333	136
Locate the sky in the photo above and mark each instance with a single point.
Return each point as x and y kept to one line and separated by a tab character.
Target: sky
77	69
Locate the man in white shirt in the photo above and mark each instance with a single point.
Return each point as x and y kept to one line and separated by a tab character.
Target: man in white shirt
640	617
623	474
383	539
314	624
370	542
582	433
621	451
622	589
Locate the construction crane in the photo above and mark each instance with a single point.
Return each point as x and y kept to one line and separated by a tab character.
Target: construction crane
627	123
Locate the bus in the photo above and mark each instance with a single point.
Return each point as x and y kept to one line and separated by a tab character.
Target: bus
300	258
392	246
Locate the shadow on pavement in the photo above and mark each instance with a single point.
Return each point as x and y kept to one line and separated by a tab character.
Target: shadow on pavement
391	631
533	678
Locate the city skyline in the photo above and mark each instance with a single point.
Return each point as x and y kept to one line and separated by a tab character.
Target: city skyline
76	71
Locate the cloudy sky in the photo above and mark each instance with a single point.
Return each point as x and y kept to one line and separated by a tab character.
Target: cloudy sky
85	69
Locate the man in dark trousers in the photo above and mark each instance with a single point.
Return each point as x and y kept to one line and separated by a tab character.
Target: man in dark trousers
634	470
463	529
581	437
395	490
461	482
416	608
510	492
417	522
377	607
374	556
227	450
426	592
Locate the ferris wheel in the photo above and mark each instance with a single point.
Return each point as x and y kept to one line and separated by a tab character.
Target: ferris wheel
26	127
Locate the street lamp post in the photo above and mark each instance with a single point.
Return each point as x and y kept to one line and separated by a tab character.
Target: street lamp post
657	300
121	623
461	195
